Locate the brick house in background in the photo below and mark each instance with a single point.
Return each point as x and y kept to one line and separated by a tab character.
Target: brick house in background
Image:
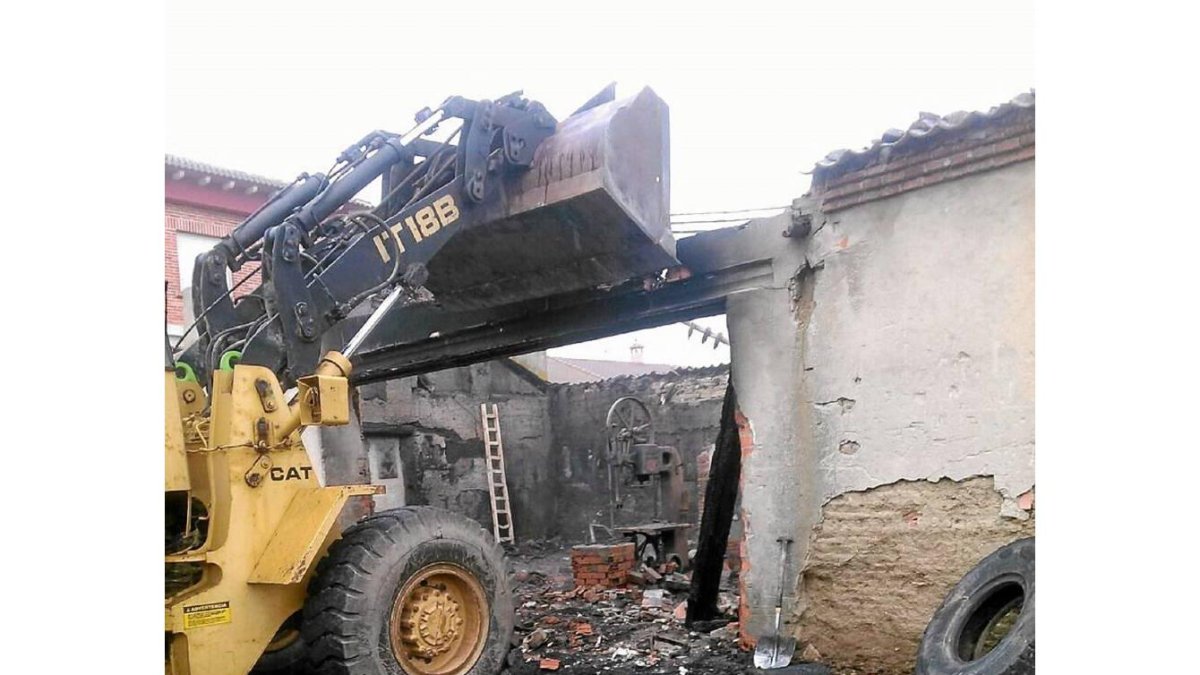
203	204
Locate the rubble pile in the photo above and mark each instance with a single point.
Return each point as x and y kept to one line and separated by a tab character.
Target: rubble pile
606	627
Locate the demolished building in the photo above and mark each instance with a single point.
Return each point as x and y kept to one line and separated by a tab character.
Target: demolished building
882	352
884	366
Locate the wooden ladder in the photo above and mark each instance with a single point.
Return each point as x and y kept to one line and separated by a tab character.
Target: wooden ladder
502	526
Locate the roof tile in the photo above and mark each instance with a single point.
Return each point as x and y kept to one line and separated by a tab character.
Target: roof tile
927	128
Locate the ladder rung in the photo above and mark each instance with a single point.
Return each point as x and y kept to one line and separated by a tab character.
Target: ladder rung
502	526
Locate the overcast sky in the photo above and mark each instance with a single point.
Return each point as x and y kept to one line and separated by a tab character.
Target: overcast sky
756	95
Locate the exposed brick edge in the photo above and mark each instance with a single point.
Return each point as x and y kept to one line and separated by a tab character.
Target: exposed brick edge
968	155
746	440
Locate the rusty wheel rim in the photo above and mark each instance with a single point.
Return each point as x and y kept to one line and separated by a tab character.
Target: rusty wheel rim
287	635
439	621
283	639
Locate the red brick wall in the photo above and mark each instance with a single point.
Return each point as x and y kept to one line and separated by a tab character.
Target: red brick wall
202	221
606	565
950	157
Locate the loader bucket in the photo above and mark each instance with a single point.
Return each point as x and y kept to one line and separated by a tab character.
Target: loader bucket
592	210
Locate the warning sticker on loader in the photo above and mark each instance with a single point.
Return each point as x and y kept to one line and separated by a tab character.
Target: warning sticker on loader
209	614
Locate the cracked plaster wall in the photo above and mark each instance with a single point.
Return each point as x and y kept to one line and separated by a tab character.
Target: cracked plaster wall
919	353
918	376
894	344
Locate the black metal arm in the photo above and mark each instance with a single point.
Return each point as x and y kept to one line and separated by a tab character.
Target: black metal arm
318	261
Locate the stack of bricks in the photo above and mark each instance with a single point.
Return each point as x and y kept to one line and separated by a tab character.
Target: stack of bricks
606	565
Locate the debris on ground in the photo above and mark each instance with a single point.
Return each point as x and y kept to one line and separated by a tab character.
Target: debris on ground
534	640
654	598
680	613
629	620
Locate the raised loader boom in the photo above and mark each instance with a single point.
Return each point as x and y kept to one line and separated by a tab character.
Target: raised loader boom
511	205
508	207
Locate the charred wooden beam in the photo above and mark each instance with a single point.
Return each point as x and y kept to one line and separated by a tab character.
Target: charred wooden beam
720	499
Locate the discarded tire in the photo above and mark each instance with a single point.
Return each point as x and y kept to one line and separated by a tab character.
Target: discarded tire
411	590
966	635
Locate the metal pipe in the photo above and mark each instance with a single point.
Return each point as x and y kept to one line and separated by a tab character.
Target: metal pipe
269	215
333	364
338	193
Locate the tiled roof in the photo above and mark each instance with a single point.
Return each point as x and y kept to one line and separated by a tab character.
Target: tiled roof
177	163
572	371
927	130
191	165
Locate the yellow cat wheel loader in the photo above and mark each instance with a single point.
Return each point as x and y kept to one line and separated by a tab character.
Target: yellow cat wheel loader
483	203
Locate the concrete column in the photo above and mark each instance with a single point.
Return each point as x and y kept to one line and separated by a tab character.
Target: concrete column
778	471
779	496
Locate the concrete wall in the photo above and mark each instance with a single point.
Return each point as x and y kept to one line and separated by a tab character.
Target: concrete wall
919	352
686	408
428	430
920	340
901	349
424	442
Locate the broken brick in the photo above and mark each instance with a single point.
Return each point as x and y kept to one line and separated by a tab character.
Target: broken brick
549	664
1025	501
681	611
535	639
653	598
651	574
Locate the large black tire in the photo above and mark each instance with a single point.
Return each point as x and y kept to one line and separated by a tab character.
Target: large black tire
347	615
957	635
